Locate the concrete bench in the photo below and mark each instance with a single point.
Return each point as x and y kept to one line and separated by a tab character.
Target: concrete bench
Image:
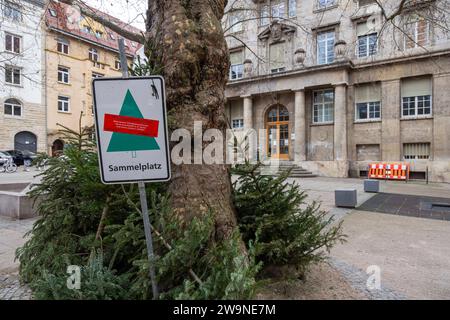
345	198
371	185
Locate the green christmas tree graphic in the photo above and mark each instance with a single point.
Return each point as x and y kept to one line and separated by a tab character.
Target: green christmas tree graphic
130	142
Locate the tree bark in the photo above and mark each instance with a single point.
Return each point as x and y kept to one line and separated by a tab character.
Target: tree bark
192	50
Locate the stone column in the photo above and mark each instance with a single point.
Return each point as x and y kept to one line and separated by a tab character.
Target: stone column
248	113
340	122
300	126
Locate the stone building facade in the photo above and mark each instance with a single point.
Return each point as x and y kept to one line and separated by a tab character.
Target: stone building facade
77	50
338	86
22	107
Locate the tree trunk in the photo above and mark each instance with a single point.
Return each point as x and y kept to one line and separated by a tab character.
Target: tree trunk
192	50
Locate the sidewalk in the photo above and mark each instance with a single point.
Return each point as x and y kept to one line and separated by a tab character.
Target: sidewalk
412	253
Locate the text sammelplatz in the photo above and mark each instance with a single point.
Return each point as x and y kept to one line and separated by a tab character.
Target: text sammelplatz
135	167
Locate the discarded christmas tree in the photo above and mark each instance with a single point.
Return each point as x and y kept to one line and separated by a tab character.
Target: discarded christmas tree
130	142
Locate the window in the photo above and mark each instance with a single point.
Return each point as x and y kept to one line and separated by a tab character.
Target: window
62	45
63	74
323	106
416	98
417	31
117	64
367	45
265	16
276	57
234	21
367	40
97	75
93	54
13	108
367	100
368	110
98	34
325	47
12	75
112	36
12	11
238	123
324	4
292	8
63	104
12	43
52	12
237	66
415	151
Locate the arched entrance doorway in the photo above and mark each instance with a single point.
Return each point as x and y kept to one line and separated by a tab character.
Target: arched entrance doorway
25	141
57	147
277	125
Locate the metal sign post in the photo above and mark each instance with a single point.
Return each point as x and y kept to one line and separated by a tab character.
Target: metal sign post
142	192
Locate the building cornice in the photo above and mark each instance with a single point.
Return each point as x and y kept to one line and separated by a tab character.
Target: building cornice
336	66
317	68
389	61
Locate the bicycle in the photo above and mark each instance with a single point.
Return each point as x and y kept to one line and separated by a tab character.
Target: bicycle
9	166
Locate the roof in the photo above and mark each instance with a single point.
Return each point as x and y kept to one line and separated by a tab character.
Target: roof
64	18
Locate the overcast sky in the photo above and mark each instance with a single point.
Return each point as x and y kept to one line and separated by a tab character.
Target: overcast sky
130	11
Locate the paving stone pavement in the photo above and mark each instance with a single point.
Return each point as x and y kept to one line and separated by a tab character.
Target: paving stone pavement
358	280
11	237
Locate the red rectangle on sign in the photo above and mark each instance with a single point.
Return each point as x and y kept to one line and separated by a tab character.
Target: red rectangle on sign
131	125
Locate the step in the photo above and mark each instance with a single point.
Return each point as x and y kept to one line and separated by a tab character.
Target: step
295	171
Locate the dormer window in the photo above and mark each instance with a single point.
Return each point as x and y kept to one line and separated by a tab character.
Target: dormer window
87	29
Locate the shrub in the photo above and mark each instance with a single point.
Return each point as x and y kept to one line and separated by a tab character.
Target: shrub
81	220
97	282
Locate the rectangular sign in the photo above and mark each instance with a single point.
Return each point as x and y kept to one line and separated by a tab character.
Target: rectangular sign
131	126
